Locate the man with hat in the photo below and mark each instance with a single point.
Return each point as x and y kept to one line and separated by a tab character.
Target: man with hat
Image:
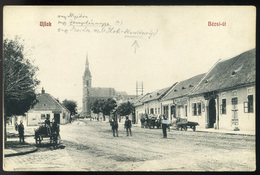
128	125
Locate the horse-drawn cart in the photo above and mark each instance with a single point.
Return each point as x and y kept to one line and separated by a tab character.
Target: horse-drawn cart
51	132
184	124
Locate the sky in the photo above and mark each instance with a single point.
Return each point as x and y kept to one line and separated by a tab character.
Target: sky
159	45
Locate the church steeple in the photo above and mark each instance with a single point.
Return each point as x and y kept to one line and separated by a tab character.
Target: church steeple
87	75
87	64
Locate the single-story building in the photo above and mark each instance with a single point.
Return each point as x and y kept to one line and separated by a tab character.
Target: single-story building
47	106
225	97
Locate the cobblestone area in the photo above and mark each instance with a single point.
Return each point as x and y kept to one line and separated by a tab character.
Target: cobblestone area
90	146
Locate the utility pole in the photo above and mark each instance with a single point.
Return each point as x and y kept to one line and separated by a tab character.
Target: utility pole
139	89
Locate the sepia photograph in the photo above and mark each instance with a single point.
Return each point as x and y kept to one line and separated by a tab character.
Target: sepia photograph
129	88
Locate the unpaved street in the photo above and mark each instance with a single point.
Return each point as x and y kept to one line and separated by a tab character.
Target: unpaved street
90	146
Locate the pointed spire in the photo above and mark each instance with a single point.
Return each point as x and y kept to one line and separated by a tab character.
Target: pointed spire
87	64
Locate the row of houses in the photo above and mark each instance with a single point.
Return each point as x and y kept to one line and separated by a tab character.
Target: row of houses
222	98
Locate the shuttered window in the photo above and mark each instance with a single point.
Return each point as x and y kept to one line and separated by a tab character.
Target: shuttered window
250	104
224	107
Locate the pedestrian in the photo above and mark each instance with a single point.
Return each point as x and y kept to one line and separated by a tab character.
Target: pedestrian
16	126
159	122
21	132
47	124
115	127
142	122
164	127
128	126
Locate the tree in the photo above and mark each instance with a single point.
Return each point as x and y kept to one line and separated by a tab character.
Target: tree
70	105
103	105
125	109
96	106
20	80
107	106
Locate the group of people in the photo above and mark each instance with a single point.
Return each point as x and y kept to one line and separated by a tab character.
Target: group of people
151	122
47	124
128	125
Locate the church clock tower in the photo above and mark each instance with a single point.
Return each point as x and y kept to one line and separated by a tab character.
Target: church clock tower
87	81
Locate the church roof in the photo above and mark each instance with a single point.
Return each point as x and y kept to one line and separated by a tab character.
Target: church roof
100	92
237	71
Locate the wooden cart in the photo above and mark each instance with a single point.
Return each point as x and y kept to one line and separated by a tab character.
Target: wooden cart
183	124
47	132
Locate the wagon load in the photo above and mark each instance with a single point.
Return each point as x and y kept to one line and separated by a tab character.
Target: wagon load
183	124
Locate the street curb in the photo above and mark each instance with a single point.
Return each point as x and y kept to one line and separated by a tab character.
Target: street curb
21	153
227	133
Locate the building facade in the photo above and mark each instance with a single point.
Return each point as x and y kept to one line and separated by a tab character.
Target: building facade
176	102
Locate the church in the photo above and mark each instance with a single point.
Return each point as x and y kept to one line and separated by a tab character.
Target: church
90	94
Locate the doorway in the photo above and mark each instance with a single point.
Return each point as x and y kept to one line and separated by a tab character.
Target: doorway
57	118
212	113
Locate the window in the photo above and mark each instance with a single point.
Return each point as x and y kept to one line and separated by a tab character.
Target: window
196	109
246	107
158	110
151	111
42	116
155	110
199	108
48	116
63	115
223	107
186	110
250	104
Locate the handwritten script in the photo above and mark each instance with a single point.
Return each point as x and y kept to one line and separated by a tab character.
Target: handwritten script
82	23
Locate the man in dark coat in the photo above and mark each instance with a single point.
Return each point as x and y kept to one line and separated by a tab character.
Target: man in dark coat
164	127
21	131
128	126
115	127
47	124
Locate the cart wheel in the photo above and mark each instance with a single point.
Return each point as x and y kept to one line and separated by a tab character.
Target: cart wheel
194	128
185	128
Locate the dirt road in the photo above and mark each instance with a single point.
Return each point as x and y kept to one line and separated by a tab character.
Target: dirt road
90	146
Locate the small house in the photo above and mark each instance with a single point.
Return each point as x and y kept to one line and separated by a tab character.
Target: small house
47	106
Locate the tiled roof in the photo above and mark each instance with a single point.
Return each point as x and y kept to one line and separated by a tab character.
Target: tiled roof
183	87
140	99
47	103
155	95
100	92
237	71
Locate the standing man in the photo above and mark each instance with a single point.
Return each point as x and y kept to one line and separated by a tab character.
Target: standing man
164	126
115	127
47	124
128	126
21	131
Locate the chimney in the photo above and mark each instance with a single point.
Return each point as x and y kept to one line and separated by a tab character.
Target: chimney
43	91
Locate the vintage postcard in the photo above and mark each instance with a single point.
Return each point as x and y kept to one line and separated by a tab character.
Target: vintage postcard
129	88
